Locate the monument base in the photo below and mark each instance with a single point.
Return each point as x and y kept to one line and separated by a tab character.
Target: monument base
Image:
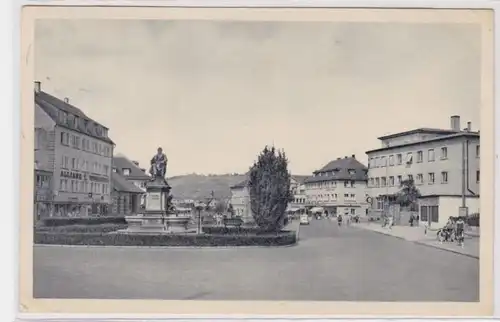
158	224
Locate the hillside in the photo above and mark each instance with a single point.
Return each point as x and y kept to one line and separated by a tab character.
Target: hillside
196	186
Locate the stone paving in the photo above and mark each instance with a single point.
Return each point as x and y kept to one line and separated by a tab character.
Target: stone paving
417	235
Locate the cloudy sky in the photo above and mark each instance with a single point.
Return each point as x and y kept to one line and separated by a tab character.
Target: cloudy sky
213	94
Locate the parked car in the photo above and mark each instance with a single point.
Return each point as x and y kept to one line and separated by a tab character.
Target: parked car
304	220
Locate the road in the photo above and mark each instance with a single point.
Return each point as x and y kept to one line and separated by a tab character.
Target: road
329	263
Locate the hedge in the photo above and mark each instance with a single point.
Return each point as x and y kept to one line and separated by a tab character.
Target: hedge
117	239
103	228
221	230
66	221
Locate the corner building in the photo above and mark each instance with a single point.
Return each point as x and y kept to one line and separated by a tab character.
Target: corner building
79	153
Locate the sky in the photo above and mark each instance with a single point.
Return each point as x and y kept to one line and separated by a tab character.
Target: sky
212	94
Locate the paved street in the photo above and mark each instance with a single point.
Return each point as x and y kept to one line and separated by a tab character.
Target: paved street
330	263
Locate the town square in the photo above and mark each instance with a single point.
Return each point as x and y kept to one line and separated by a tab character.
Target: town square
181	176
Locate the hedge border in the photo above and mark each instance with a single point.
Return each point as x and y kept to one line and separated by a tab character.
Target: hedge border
68	221
285	238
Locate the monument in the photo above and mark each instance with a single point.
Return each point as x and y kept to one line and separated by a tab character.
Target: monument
159	215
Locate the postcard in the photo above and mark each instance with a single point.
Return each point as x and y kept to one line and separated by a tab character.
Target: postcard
280	161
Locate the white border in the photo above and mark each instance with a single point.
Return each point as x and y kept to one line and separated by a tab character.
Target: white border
9	128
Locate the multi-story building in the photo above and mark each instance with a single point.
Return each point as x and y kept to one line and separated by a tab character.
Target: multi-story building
43	174
443	164
133	173
240	197
339	187
78	153
298	189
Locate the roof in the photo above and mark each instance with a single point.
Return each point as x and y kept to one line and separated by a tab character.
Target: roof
342	167
122	162
426	130
241	184
300	178
47	102
440	138
121	184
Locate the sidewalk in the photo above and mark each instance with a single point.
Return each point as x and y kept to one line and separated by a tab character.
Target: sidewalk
417	235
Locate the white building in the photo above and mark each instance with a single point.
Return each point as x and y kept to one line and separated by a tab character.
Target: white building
339	187
443	163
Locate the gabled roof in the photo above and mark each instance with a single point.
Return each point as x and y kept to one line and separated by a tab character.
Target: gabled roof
300	178
48	102
425	130
342	168
121	184
121	162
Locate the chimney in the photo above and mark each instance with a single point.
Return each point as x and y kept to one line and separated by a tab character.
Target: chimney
136	163
38	86
66	100
345	157
455	123
353	156
338	158
469	126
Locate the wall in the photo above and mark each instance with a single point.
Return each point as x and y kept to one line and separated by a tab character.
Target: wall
44	138
332	194
449	206
452	165
121	203
70	152
240	199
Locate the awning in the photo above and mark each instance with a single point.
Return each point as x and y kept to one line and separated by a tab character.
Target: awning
317	209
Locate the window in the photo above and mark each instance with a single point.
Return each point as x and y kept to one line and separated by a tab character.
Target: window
384	181
391	160
353	211
409	158
399	158
444	153
478	176
431	155
64	138
478	151
399	179
431	178
383	161
353	196
410	177
420	156
372	182
391	181
346	196
73	163
420	178
444	177
126	172
377	182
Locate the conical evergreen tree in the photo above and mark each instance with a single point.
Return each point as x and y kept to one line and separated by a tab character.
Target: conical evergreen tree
269	186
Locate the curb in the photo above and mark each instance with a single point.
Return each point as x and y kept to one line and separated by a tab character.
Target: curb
422	243
161	247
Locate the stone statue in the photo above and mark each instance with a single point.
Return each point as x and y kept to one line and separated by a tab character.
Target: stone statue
158	165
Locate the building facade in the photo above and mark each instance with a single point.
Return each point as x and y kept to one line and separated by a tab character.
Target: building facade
298	189
78	151
443	164
339	187
133	173
126	197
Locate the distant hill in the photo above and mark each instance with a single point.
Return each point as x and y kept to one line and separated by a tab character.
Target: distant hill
198	186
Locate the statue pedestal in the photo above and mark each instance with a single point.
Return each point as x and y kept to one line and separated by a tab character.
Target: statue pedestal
156	218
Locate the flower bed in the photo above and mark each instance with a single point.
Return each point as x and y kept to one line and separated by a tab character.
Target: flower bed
114	239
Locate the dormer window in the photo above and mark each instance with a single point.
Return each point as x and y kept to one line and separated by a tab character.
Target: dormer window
352	171
126	171
114	169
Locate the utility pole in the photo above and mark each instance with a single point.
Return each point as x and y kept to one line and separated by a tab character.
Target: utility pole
463	211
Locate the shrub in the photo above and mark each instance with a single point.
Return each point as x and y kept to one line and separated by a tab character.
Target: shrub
116	239
217	230
269	186
66	221
473	220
